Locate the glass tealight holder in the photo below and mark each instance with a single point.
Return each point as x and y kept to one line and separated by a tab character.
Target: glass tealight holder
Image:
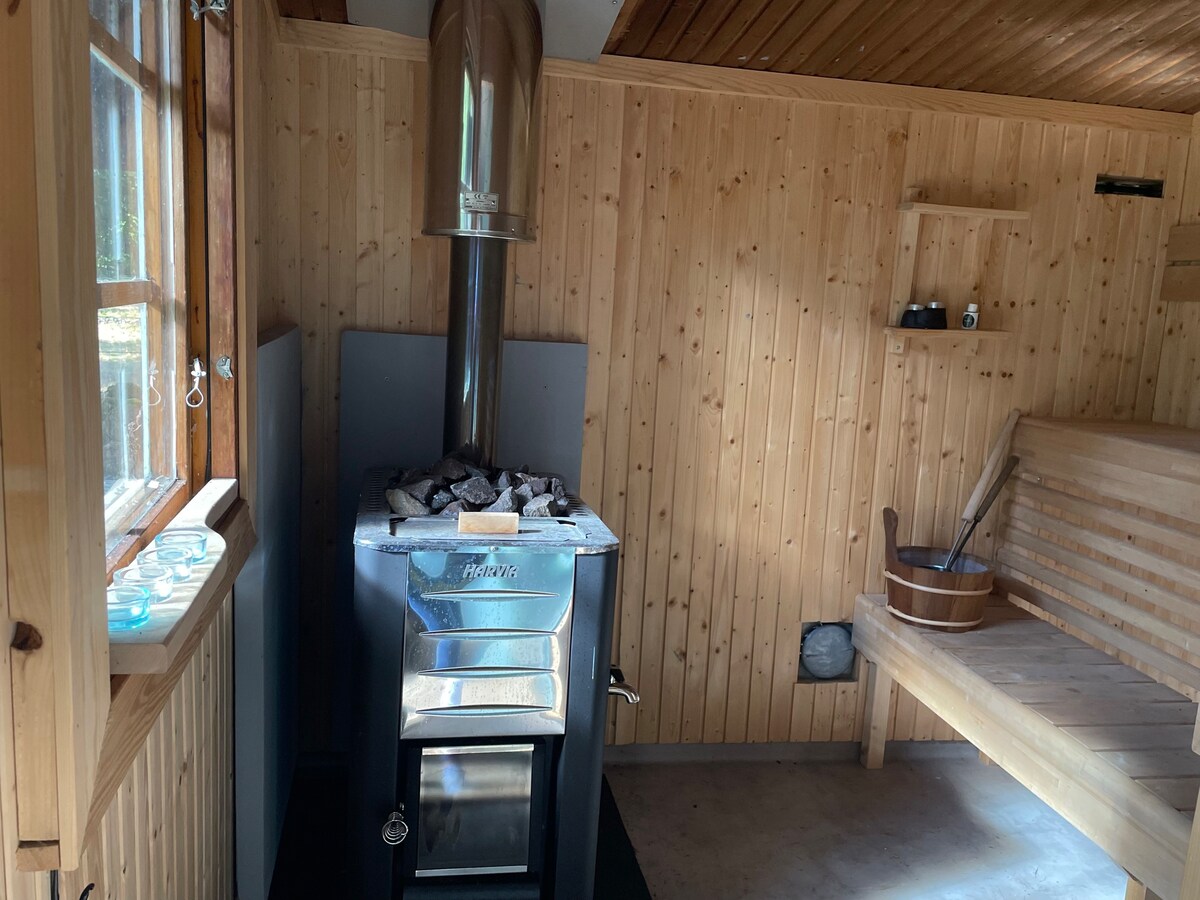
191	539
128	606
154	578
177	559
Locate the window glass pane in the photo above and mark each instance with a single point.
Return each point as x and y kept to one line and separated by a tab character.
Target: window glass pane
117	169
139	459
120	19
137	178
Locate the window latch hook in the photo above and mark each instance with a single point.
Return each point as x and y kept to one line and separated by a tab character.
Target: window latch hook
220	7
195	397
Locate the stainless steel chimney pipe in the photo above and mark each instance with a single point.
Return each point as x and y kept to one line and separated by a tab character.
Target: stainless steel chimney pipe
480	187
474	346
481	161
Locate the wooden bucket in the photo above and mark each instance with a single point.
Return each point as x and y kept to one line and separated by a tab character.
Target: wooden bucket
930	598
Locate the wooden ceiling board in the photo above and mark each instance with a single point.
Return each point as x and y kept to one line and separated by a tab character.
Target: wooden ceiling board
752	39
897	32
810	48
707	21
744	14
1087	68
1026	64
1136	53
790	31
1079	62
984	39
676	21
845	41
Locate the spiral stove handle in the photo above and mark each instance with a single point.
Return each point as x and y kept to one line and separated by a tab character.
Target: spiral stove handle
395	829
619	686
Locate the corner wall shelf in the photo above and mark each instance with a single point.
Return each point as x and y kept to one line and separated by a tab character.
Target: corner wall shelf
898	338
942	209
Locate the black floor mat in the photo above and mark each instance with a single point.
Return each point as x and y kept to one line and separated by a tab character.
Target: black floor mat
312	852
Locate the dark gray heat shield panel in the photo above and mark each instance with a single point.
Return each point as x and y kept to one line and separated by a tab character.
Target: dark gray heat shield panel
265	615
391	414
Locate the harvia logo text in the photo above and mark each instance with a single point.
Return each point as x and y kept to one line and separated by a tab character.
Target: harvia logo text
482	571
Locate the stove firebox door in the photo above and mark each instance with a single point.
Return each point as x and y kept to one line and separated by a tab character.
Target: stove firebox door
475	810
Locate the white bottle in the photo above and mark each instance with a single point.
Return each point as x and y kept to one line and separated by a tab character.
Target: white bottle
971	317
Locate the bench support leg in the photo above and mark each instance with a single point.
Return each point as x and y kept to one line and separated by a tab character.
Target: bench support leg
879	707
1191	869
1135	890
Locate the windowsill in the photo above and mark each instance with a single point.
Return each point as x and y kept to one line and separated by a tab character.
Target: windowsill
152	648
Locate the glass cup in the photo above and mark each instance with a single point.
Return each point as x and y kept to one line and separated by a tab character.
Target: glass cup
191	539
177	559
128	606
158	580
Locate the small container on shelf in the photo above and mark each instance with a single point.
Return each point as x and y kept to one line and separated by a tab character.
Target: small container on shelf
192	539
128	606
970	319
156	579
911	316
935	315
178	559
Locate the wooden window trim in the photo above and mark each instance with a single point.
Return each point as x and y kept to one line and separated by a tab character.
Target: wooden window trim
211	241
203	264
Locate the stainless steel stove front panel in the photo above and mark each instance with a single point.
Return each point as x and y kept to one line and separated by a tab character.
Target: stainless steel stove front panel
486	642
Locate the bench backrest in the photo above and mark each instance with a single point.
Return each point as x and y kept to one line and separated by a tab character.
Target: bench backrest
1101	534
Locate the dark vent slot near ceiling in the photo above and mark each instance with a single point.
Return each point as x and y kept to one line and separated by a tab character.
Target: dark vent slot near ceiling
1129	187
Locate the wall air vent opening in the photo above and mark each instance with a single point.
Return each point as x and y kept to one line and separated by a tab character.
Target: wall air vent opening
1128	186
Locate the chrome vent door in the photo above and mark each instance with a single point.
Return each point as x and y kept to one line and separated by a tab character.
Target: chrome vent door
486	639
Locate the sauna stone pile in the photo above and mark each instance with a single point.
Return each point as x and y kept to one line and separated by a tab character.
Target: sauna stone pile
454	485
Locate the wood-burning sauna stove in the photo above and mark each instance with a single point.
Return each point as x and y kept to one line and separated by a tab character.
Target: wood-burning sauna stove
483	672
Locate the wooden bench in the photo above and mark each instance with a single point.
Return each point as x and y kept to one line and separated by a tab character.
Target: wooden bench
1081	680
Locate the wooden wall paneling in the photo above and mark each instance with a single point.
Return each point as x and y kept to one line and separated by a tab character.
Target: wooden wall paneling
165	834
734	283
727	142
647	332
614	501
683	168
369	193
775	359
395	198
601	289
729	547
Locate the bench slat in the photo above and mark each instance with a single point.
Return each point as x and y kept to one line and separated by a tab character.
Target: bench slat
1110	546
1000	656
1018	530
1139	526
1130	737
1178	793
1070	672
1109	634
1174	762
1100	712
988	640
1151	692
1172	634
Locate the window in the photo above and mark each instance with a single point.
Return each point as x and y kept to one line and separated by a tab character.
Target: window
137	150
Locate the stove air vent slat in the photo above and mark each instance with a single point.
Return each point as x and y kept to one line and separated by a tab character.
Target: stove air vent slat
484	710
485	634
484	672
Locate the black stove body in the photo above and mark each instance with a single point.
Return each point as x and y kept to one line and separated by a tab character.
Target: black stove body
481	684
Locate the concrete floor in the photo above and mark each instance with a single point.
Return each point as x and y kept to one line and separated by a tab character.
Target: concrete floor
938	824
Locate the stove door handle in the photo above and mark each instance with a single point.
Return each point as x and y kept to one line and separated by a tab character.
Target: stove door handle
621	688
